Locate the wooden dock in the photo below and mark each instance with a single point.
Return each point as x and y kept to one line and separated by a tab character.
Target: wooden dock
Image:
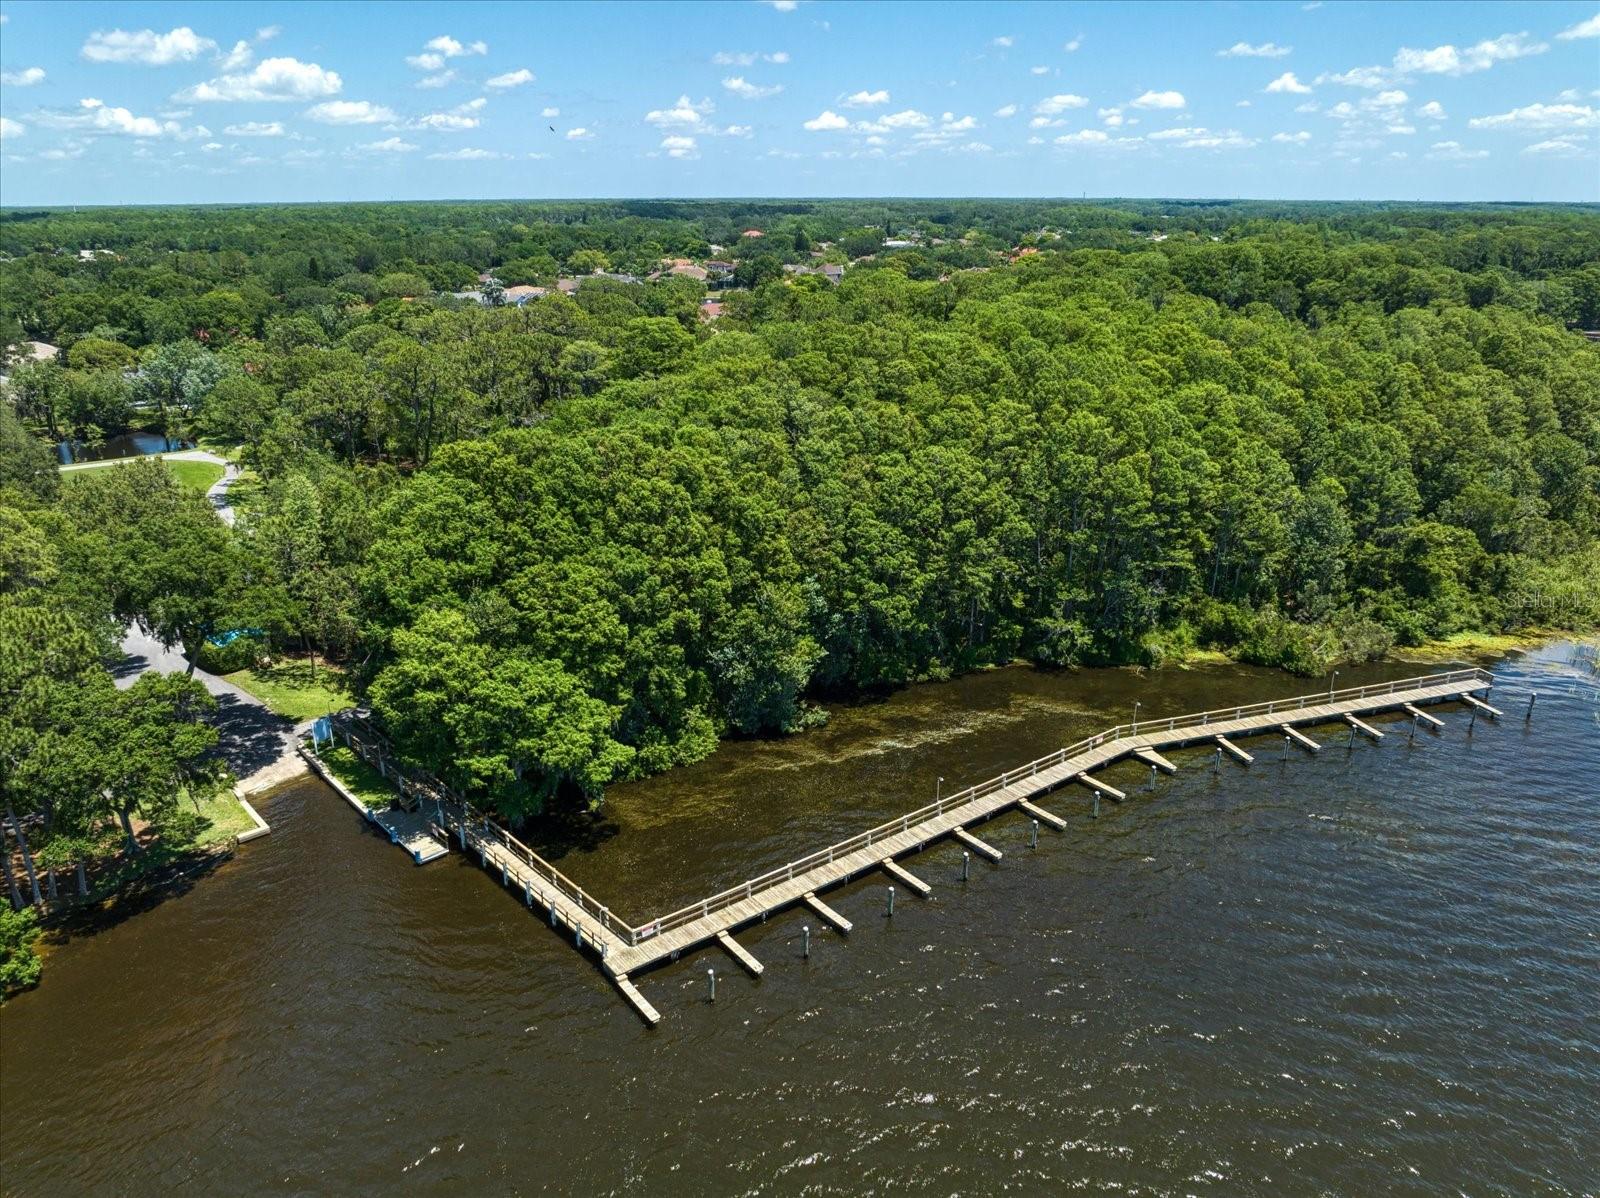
625	950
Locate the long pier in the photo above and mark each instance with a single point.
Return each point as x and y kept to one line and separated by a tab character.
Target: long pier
625	950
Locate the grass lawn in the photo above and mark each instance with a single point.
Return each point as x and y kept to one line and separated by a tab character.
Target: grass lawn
196	475
288	688
222	816
359	778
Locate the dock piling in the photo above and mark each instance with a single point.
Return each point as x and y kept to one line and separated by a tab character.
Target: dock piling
889	910
805	941
1533	697
966	862
1033	836
711	985
1094	812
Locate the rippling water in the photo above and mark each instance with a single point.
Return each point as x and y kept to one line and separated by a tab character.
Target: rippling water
1370	971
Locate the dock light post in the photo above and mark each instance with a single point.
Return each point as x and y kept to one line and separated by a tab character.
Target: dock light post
1095	811
1331	681
1033	835
889	910
805	941
1152	777
966	865
938	788
1136	707
711	985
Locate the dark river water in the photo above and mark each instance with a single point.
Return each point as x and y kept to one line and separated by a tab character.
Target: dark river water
1374	971
123	445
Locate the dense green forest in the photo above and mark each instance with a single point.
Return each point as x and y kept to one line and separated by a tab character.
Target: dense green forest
579	540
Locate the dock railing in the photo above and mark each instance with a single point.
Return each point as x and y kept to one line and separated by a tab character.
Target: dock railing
1199	721
375	750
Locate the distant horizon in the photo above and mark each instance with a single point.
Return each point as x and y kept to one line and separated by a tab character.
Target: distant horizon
176	102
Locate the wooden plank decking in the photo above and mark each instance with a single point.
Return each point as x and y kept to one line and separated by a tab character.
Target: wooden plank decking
625	950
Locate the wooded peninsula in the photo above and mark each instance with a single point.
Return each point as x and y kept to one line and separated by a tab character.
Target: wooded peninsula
566	492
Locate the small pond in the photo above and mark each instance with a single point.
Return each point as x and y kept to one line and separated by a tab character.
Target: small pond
123	445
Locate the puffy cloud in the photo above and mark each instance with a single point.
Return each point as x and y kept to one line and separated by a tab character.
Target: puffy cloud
1071	47
1447	60
685	112
1057	104
910	118
349	112
1292	139
1357	77
677	145
255	129
1541	116
1005	43
95	116
1175	134
784	5
510	79
1452	151
146	47
1083	137
468	155
1589	28
457	120
827	121
1246	50
866	99
1111	116
389	145
271	79
443	47
10	128
1433	110
1155	99
743	88
1230	139
1287	84
579	134
442	79
1038	70
1388	99
549	112
23	78
1008	110
239	57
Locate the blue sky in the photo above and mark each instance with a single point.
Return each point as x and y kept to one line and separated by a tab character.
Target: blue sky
153	103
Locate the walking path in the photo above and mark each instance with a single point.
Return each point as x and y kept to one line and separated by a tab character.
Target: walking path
217	494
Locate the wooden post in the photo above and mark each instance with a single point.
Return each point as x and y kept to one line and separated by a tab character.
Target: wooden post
1095	811
1152	777
966	865
1533	697
889	910
1216	762
805	940
1033	837
711	985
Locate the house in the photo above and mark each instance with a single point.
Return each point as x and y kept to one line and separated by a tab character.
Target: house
710	310
476	297
833	270
752	233
568	286
718	266
91	255
688	270
485	276
522	293
897	243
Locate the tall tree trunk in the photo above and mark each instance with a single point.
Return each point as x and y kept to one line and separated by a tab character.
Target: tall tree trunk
127	830
11	878
83	880
50	875
27	857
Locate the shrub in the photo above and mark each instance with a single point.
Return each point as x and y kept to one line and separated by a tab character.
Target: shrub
19	963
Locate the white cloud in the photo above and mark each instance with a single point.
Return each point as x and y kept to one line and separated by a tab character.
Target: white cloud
1111	116
1292	138
1057	104
1082	137
1357	77
784	5
549	112
950	124
1558	147
1286	83
1308	106
743	88
1388	99
579	134
255	129
1008	111
1071	47
1451	151
267	32
510	79
1038	70
457	120
389	145
239	57
272	79
910	118
23	78
748	58
677	145
211	147
685	112
866	99
442	79
827	122
1541	116
450	48
1230	139
95	116
10	128
1175	134
1153	99
1447	60
1246	50
1241	104
468	155
349	112
1433	110
1005	43
146	46
1589	28
425	62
